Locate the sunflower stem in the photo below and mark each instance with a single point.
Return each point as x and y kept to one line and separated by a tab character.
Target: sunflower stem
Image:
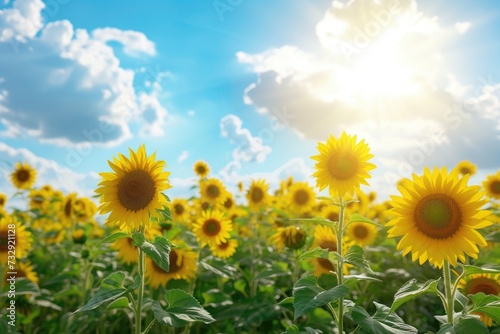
340	264
450	298
140	293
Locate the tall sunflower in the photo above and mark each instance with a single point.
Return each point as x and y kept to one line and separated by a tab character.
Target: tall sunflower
257	195
67	212
182	266
301	197
23	176
488	284
212	228
22	239
25	270
201	169
437	217
466	167
342	165
213	191
132	193
362	234
492	185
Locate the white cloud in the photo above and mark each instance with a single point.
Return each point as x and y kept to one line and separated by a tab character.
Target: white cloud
66	86
462	27
182	157
133	42
248	148
384	75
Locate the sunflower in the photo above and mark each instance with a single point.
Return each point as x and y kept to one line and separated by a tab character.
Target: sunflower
182	266
212	191
212	228
438	215
257	195
488	284
229	204
39	199
362	234
201	169
67	212
360	205
23	176
301	197
240	186
79	236
325	238
21	240
3	200
179	209
492	185
342	165
225	249
26	270
466	167
133	192
84	209
291	236
330	212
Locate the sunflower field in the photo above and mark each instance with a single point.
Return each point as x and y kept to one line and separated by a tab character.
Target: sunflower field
296	259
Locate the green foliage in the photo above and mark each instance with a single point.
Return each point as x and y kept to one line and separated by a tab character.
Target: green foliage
158	250
384	321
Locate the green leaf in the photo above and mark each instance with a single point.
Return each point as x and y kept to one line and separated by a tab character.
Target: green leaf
293	329
288	300
357	218
113	237
487	304
356	256
383	321
320	253
317	220
469	270
111	289
165	214
465	326
214	270
158	250
411	290
351	280
308	295
182	309
324	198
121	302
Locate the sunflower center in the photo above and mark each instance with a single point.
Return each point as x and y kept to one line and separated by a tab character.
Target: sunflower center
213	191
211	227
464	170
67	208
301	197
342	166
228	204
257	195
484	285
438	216
224	245
23	175
179	209
360	231
333	216
2	201
136	190
4	241
495	187
201	170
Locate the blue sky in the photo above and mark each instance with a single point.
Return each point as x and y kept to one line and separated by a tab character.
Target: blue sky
248	86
